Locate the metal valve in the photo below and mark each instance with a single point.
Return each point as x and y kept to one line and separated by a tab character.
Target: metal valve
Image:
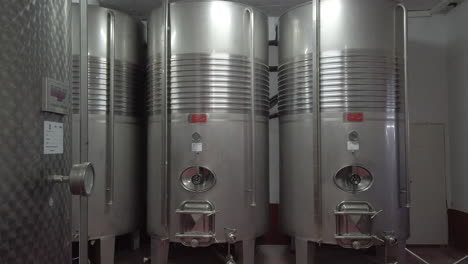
231	238
356	245
194	243
230	260
80	180
390	240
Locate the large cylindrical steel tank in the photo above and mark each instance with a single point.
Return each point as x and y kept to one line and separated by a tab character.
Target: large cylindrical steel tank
35	137
115	81
360	192
210	189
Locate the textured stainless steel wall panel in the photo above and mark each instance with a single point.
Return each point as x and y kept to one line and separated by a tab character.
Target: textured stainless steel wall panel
35	220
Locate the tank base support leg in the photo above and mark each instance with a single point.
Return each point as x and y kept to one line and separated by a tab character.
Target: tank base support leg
245	252
107	250
401	254
292	246
305	251
135	240
159	250
392	254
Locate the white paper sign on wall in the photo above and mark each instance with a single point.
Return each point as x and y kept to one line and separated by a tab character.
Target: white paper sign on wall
53	137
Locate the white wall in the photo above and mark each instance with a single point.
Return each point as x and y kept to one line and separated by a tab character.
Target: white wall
428	82
458	106
427	69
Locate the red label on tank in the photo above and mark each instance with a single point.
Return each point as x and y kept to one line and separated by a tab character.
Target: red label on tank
198	118
354	117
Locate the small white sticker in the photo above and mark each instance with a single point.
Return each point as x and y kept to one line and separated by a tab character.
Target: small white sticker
53	138
353	146
197	147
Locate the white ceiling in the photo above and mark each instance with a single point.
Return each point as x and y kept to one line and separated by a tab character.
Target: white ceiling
141	8
420	4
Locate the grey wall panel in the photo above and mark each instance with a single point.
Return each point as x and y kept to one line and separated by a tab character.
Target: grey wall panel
428	185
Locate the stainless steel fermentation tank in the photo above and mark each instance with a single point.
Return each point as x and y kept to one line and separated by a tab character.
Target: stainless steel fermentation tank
35	225
115	83
210	130
343	162
35	137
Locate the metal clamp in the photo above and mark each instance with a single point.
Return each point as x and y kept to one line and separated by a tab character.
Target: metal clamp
80	180
111	123
407	111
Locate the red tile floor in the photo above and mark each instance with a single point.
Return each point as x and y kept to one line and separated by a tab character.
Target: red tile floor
282	255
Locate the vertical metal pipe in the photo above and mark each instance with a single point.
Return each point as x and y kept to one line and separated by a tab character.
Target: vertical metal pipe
83	248
316	116
110	128
164	122
407	110
253	135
